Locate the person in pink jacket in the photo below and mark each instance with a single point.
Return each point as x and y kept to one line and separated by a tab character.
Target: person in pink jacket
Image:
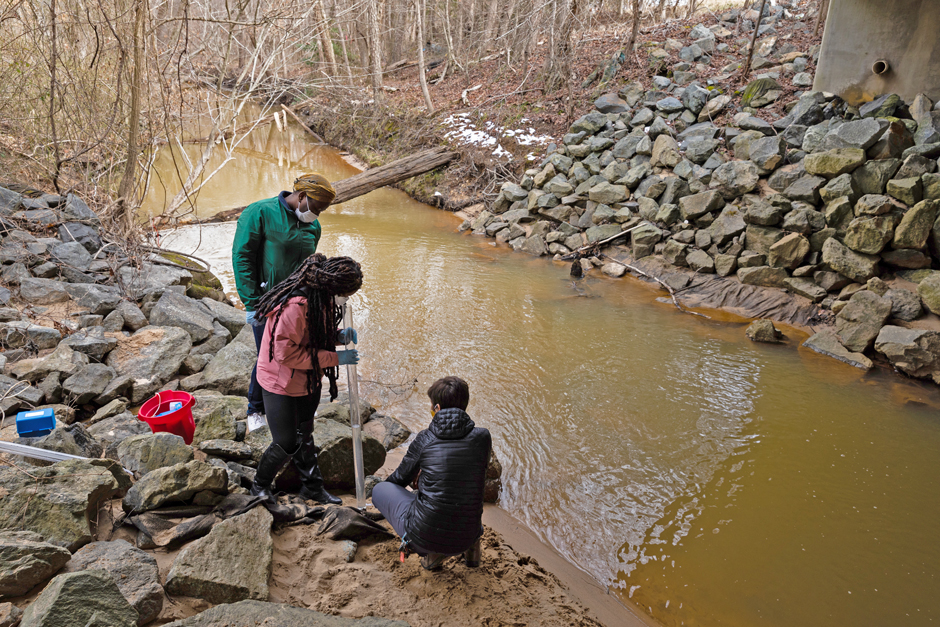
301	316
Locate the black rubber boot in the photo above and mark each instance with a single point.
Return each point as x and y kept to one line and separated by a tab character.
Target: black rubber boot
272	461
473	555
310	476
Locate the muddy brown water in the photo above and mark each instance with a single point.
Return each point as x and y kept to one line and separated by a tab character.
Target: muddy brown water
706	479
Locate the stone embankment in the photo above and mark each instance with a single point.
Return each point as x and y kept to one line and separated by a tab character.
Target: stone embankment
93	333
833	204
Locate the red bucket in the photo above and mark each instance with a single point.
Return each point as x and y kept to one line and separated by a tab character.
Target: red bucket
179	422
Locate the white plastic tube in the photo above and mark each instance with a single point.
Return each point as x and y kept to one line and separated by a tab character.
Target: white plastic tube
355	420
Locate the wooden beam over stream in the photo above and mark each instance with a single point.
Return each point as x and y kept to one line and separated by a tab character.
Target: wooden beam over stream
365	182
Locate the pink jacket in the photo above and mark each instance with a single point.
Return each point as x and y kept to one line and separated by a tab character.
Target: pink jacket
287	374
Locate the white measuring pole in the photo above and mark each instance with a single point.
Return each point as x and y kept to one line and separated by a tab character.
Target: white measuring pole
355	420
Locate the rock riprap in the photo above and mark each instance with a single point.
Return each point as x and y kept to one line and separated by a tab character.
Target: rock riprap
175	484
88	597
232	563
27	561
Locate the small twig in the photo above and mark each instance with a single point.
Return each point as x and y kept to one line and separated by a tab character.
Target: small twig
671	291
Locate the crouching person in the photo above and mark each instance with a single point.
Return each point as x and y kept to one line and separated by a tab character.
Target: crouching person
448	463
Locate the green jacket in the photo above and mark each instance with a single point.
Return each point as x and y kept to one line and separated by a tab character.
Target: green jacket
270	243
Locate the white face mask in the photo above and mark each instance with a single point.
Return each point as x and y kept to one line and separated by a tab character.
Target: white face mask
340	300
306	216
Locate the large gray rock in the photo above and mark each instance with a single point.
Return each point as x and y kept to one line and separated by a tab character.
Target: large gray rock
856	266
232	563
857	134
215	416
697	205
110	432
57	501
134	319
178	310
764	331
860	320
134	572
43	291
735	178
832	163
768	154
929	291
789	251
72	439
905	305
144	453
255	613
87	598
869	235
728	225
230	370
27	561
388	430
91	341
229	317
19	333
98	299
10	615
85	235
826	342
763	276
175	484
607	193
915	226
88	383
150	357
873	177
336	459
149	276
915	352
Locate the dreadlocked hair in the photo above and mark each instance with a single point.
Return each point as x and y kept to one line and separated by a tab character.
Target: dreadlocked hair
318	279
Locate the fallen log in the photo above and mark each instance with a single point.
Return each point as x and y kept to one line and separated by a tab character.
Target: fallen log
365	182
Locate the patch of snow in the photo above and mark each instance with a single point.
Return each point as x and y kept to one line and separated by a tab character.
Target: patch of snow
465	131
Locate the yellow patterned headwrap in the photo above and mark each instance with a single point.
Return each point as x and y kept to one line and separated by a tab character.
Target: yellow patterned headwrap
316	187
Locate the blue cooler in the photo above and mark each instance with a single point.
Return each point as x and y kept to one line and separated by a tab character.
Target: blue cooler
35	423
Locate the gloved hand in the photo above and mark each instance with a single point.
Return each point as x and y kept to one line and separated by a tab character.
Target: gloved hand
347	335
348	358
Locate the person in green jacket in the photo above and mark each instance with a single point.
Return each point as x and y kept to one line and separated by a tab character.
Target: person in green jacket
272	238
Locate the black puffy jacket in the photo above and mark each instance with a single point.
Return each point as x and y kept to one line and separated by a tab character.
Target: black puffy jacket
452	456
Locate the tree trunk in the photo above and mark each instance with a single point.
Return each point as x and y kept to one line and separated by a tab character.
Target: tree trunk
634	30
129	179
821	18
375	50
419	12
558	62
326	42
750	53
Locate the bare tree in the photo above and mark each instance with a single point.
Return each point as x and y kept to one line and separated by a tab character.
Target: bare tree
419	11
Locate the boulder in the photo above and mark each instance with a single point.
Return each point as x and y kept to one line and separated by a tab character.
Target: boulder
87	598
768	154
873	177
788	252
909	191
226	449
697	205
860	320
84	234
335	458
112	431
60	503
10	615
91	341
175	484
388	430
713	107
150	357
700	261
834	162
805	189
763	276
764	331
98	299
869	235
215	416
19	333
177	310
73	439
27	561
760	238
735	178
854	265
805	288
144	453
150	276
728	225
856	134
134	572
915	352
665	152
915	226
88	383
607	193
905	305
230	370
232	563
254	613
43	291
929	291
826	342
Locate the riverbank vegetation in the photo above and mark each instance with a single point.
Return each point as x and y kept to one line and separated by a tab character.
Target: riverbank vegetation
89	92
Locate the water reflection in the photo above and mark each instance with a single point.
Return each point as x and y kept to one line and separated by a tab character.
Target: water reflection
713	481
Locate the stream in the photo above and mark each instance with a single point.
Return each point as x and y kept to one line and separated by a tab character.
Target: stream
707	479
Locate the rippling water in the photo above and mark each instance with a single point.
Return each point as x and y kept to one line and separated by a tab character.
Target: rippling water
710	480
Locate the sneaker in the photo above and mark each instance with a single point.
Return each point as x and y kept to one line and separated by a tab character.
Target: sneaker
256	421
